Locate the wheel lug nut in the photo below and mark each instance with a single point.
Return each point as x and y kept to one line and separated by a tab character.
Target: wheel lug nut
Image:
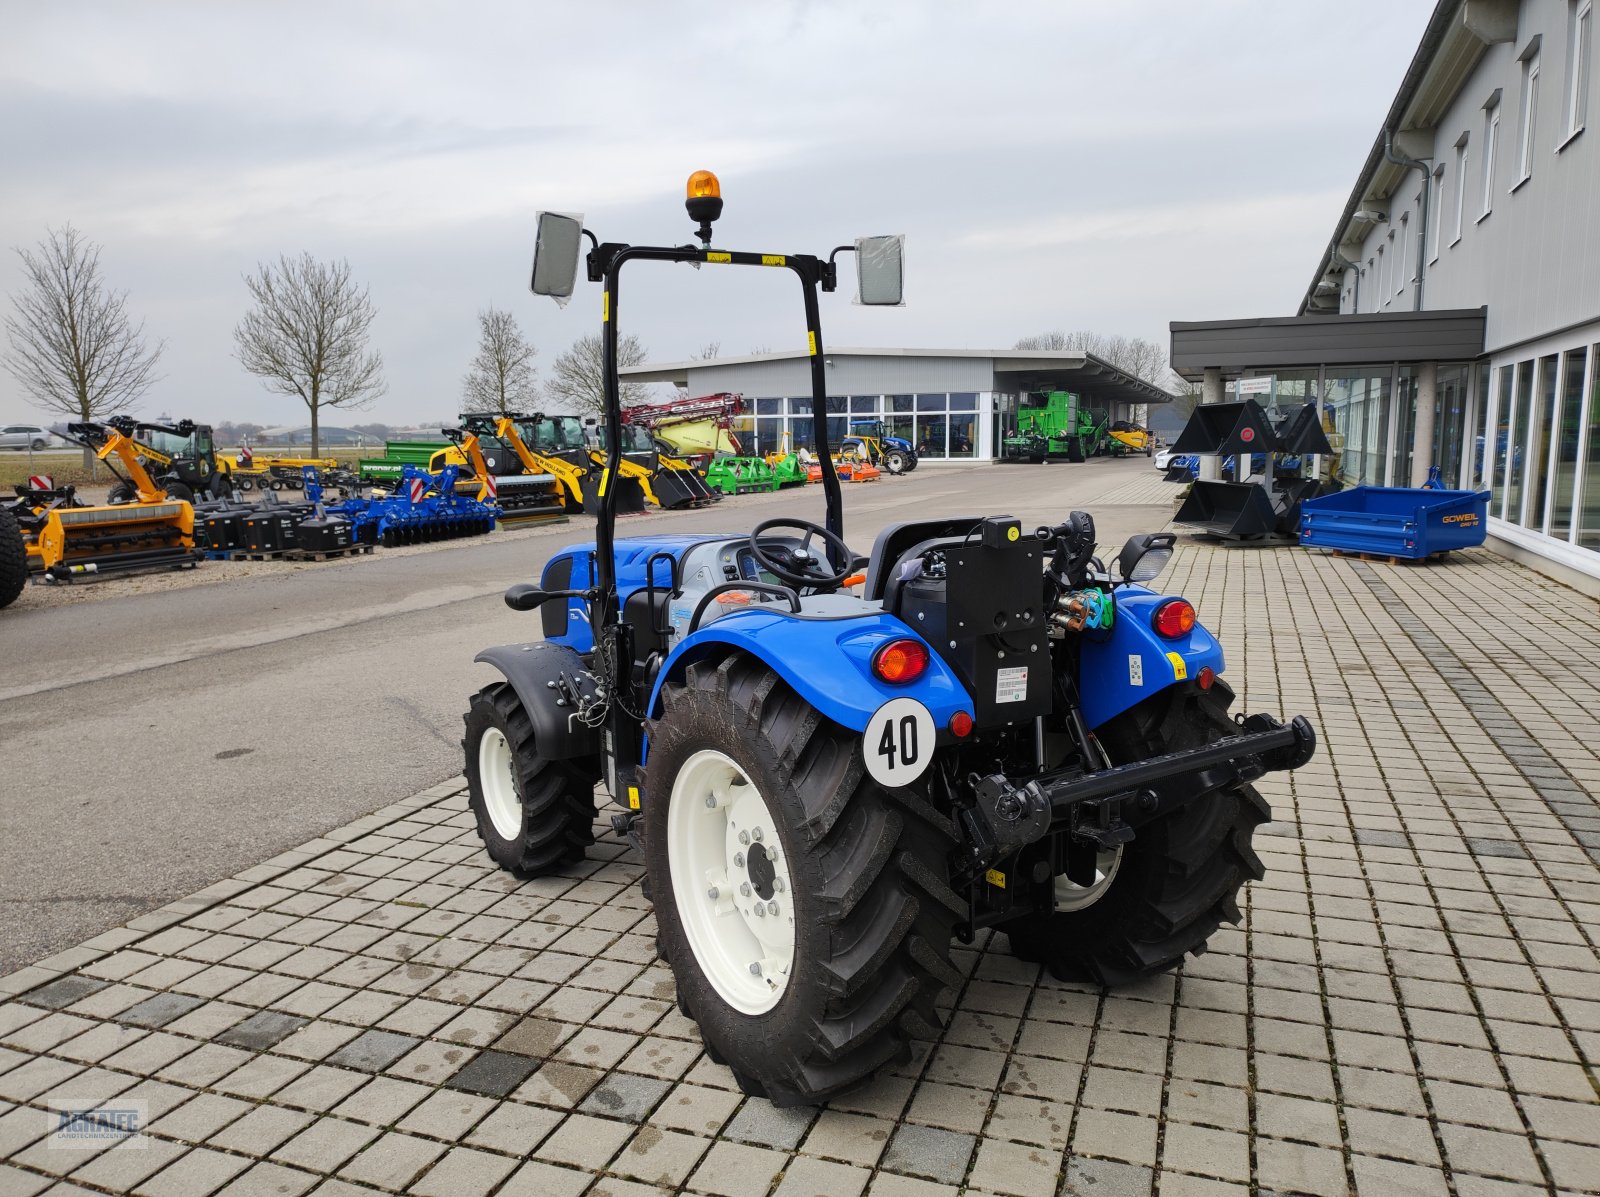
756	835
777	884
713	893
755	968
744	889
772	908
738	860
744	837
711	802
761	911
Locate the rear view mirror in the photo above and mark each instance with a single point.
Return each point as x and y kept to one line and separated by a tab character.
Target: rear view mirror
555	255
880	270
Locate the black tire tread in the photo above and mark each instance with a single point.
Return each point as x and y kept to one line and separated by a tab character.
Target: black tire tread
13	559
1193	864
557	796
887	916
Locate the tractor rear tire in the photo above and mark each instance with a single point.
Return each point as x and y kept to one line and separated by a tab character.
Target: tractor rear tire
13	559
861	879
120	493
535	816
1176	881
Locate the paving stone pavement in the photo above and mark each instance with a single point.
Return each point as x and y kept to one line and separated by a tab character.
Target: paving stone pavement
1410	1005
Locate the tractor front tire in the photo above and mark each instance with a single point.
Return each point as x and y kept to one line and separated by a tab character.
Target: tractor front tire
1175	882
895	462
842	969
120	493
535	816
179	490
13	559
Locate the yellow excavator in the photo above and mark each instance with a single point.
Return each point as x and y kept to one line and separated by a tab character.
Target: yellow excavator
668	482
66	542
522	498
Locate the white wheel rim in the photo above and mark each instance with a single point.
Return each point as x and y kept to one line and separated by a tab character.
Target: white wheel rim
500	797
1071	896
731	881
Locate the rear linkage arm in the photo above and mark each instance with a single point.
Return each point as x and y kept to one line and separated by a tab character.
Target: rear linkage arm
1106	808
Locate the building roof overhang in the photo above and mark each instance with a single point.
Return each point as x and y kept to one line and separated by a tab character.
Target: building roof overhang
1030	369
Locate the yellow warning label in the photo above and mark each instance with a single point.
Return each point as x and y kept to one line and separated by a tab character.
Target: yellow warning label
1013	533
812	337
772	259
1180	667
995	878
605	477
633	797
605	306
714	256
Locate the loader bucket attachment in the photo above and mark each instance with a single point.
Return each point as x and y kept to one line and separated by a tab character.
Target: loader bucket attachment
672	488
1227	428
1235	510
75	542
630	495
1301	434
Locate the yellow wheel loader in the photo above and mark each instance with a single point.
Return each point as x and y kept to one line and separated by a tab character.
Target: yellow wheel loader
149	531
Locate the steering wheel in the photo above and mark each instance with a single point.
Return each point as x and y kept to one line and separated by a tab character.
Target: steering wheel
801	566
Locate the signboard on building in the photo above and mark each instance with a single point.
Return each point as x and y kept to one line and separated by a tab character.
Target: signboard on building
1254	386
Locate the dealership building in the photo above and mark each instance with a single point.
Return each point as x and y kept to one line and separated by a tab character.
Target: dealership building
952	404
1453	317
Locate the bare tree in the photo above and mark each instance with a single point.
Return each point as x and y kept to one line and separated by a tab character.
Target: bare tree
706	352
74	348
578	382
307	335
501	376
1132	355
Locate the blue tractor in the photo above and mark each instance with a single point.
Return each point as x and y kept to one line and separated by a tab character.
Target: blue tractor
836	765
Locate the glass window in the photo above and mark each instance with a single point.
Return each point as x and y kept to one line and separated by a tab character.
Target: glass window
932	402
1541	423
1401	267
1589	480
963	435
1435	214
1449	422
863	405
1515	448
768	407
900	424
1461	188
769	435
1567	429
802	433
1405	414
1530	106
901	402
1357	407
930	440
1491	138
800	405
1578	49
964	401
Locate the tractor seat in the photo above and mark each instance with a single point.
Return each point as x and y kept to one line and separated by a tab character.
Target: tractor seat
895	540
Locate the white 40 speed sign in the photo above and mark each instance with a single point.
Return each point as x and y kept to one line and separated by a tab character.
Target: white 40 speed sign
898	742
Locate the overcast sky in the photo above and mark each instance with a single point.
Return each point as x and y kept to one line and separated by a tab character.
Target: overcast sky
1055	165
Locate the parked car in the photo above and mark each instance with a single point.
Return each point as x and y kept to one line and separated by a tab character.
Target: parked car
1163	458
26	436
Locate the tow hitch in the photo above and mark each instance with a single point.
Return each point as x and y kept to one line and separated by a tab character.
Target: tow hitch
1106	808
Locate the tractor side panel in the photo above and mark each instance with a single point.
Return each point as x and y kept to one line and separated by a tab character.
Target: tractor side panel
558	733
828	662
1133	662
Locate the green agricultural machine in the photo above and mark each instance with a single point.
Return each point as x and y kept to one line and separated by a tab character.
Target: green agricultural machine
741	475
1055	425
386	470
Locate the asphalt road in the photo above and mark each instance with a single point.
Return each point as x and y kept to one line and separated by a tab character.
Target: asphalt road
151	744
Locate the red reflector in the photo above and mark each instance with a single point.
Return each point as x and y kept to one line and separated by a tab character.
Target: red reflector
961	725
900	661
1173	618
1206	676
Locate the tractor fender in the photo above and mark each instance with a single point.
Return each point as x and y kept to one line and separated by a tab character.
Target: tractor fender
1134	662
558	733
828	662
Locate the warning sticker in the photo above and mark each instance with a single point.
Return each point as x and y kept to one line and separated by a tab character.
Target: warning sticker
1011	685
1135	669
